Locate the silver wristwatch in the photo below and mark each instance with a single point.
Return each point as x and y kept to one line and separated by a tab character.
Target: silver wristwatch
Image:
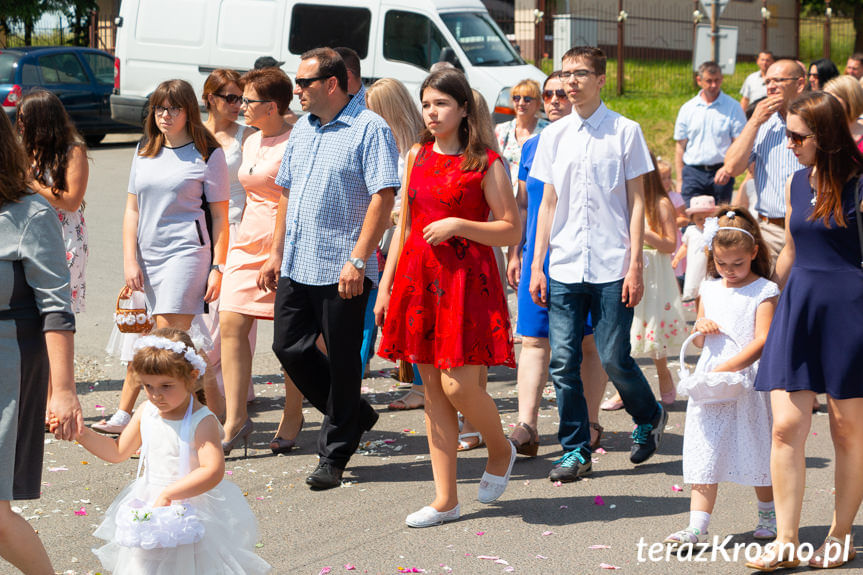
358	263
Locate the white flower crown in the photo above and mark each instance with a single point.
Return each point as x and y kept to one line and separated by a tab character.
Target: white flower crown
178	347
712	227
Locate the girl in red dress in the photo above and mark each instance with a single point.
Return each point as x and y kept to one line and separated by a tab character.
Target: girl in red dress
447	311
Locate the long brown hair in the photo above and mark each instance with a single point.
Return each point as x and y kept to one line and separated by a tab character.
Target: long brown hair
471	137
13	164
48	135
837	158
177	93
743	220
216	82
653	194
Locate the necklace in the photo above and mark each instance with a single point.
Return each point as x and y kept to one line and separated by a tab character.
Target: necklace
262	149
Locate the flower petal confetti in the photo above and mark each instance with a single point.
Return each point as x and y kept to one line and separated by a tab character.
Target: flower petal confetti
81	512
325	570
676	488
608	566
350	567
547	533
598	500
600	547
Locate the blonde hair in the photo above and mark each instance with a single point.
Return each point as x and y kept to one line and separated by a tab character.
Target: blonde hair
158	361
389	99
849	90
527	87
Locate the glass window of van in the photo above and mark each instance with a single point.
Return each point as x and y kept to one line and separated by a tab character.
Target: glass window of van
481	39
317	26
412	38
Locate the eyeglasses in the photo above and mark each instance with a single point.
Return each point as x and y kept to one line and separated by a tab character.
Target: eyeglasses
797	139
173	111
547	95
246	101
304	83
527	99
230	98
577	74
770	81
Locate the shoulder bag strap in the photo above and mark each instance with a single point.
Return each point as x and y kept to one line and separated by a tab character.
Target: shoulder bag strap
406	204
857	215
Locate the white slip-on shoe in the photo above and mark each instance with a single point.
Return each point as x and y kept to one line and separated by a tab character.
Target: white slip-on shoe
491	487
428	516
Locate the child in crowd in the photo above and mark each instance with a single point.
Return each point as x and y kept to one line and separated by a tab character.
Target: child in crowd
658	323
693	246
680	216
211	528
730	441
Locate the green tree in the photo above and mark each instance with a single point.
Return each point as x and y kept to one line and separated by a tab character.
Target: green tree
25	12
847	8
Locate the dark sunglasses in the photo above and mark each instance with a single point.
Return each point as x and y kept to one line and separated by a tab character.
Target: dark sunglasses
548	94
527	99
797	139
306	82
229	98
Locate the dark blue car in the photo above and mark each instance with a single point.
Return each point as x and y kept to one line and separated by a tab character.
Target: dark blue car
83	79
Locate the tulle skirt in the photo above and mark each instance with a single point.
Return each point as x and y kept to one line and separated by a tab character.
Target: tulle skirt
226	548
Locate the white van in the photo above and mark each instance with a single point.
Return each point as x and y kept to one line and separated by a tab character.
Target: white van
159	40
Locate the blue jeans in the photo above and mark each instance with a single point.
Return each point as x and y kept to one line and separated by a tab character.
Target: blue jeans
567	309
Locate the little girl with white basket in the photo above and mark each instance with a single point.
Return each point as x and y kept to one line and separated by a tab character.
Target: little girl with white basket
181	515
727	432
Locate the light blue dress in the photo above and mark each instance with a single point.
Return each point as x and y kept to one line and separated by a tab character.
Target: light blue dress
173	242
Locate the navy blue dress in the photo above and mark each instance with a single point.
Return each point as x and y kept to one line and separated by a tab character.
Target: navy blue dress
816	338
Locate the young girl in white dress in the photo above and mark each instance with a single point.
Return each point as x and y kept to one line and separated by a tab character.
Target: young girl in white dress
210	528
730	441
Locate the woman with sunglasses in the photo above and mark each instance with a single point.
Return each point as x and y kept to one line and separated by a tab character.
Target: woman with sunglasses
266	96
170	251
815	344
512	134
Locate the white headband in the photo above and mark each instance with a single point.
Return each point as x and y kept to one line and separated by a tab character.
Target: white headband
711	227
178	347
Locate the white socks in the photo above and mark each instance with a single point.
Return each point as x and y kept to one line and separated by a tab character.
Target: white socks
766	513
699	520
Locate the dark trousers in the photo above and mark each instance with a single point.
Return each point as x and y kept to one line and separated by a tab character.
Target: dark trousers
330	382
699	182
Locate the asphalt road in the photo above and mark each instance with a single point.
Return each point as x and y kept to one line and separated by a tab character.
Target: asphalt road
536	527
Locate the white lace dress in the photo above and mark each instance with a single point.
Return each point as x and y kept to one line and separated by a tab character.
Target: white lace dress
230	530
729	441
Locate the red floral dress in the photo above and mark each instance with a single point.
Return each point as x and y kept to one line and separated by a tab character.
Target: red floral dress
447	306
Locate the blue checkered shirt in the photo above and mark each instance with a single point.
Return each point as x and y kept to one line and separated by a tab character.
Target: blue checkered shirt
332	171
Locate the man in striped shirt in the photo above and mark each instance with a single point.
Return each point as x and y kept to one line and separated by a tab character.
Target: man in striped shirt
761	147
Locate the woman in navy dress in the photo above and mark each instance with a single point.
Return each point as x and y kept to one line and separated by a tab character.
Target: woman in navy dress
815	344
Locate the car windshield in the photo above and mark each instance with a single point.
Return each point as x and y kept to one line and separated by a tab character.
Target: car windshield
481	39
7	67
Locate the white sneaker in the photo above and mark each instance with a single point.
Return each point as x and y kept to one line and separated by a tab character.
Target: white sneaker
491	487
428	516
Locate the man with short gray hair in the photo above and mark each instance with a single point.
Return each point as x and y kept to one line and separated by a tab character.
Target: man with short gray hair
705	127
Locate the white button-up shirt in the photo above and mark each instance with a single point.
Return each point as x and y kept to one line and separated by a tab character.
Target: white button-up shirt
589	161
708	128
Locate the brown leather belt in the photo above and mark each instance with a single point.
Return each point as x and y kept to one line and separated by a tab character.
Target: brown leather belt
775	221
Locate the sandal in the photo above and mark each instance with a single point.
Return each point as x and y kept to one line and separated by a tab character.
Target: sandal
594	445
770	560
401	404
688	536
464	445
530	447
823	556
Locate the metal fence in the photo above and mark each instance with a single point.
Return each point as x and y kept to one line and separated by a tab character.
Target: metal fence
100	33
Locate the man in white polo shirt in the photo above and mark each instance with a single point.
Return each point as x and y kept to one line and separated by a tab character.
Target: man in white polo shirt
592	221
705	127
753	88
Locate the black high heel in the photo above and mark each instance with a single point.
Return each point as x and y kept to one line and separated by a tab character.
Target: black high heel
281	446
242	435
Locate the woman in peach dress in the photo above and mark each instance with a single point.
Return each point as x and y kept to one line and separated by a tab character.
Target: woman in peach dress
266	96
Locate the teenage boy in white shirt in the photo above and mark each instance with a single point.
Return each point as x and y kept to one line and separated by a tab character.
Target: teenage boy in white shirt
592	221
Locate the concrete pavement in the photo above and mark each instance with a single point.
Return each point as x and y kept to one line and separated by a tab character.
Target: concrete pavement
537	528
